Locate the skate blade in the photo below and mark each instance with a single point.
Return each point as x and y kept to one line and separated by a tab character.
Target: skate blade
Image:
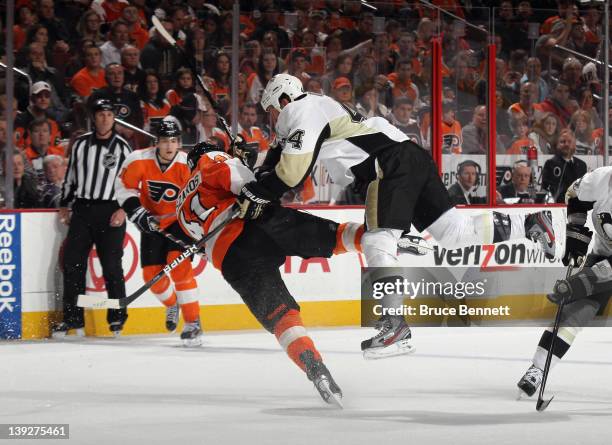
402	347
192	342
97	302
333	398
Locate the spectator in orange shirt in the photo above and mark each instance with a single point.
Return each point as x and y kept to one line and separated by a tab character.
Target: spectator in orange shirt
526	105
184	84
248	130
40	101
113	9
91	77
25	19
41	145
402	82
138	35
521	141
451	129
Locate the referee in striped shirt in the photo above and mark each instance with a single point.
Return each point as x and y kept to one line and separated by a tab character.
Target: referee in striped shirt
95	217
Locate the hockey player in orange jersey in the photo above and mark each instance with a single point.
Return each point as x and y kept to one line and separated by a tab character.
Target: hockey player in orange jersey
249	253
147	189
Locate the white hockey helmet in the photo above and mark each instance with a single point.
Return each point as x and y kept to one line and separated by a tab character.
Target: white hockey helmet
279	86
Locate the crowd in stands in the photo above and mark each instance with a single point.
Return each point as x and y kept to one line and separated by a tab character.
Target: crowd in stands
377	63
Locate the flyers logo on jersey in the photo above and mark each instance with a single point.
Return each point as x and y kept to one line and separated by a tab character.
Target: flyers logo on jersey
159	190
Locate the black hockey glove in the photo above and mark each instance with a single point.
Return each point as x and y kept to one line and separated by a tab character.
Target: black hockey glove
253	200
588	282
577	239
144	220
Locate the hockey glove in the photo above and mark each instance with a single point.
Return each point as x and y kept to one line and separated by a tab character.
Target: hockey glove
577	239
252	201
144	220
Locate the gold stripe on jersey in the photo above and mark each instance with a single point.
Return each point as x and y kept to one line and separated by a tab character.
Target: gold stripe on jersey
344	127
292	168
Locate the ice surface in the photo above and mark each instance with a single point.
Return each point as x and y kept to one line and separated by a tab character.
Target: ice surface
240	388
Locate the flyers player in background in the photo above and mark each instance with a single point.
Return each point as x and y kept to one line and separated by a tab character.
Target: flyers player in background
249	252
147	189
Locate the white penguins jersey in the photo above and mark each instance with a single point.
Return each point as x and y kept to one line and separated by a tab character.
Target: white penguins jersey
596	187
318	127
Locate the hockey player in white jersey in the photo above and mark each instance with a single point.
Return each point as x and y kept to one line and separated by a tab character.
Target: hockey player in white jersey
587	292
404	187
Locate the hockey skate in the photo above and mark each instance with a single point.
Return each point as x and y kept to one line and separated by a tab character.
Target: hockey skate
530	382
60	331
412	245
318	374
192	334
539	228
393	339
116	327
172	317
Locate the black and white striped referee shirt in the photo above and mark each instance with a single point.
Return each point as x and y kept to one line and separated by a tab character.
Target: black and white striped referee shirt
92	168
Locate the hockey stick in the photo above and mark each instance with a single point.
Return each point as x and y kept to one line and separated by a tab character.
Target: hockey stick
542	404
221	122
94	301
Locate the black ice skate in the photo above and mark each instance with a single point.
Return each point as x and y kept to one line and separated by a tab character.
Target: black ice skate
530	382
412	244
116	327
192	334
393	339
318	374
62	329
172	317
539	228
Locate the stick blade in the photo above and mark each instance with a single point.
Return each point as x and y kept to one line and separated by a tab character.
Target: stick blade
97	302
542	404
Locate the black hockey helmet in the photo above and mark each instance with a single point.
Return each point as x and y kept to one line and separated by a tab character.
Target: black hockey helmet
199	150
246	152
168	129
102	105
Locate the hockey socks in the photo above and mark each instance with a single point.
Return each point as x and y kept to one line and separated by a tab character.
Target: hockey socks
348	238
565	338
294	339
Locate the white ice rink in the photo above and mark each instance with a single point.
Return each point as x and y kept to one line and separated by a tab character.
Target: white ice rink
240	388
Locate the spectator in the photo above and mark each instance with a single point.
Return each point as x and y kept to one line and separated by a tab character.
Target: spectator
526	106
557	103
248	130
196	48
252	56
562	10
316	25
401	80
188	115
40	100
545	133
366	71
563	168
401	117
266	69
464	79
270	41
138	36
54	172
533	75
126	103
58	32
582	127
154	105
220	77
521	178
521	142
578	42
184	85
363	32
475	135
37	68
585	101
88	27
451	129
25	187
130	60
119	38
342	91
572	76
160	56
462	192
314	86
269	24
296	64
424	33
406	49
208	130
91	77
25	19
343	67
386	58
112	9
368	104
545	45
41	144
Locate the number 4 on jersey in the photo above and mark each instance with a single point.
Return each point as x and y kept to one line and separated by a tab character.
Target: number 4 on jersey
296	139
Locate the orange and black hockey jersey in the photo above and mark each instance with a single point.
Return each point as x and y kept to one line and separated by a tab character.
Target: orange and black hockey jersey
142	177
207	200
